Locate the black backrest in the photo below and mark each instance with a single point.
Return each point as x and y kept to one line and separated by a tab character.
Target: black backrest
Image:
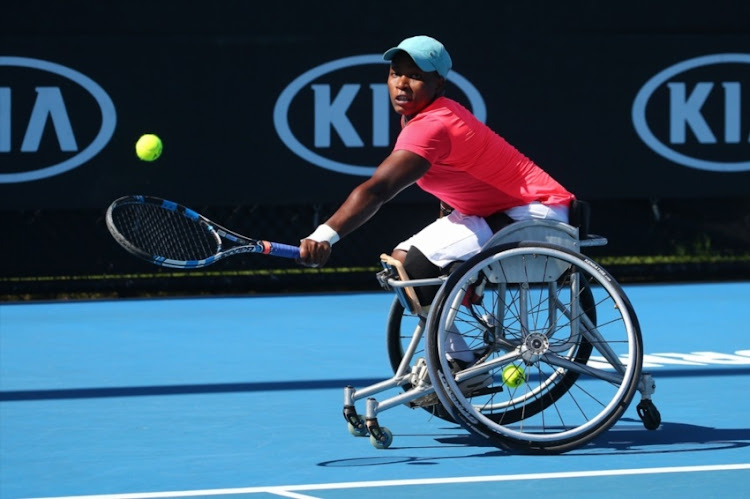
579	215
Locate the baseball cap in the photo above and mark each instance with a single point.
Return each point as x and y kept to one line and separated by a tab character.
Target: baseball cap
427	53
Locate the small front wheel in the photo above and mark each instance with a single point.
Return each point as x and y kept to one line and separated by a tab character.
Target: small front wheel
384	438
359	429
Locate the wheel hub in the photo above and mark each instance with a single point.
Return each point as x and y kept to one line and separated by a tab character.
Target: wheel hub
534	346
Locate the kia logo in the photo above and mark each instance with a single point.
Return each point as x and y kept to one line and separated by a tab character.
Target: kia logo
329	105
702	98
48	120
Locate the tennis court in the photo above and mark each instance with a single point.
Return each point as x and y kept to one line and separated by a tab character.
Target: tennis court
242	397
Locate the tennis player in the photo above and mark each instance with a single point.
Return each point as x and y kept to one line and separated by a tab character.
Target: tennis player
483	183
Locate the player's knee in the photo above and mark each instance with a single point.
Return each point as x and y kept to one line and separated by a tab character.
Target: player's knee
399	255
417	266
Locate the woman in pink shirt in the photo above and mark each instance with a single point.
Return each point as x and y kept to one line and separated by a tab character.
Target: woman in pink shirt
483	182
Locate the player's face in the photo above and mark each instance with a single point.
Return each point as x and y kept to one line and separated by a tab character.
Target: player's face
410	88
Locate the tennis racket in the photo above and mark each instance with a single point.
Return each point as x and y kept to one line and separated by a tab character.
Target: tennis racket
171	235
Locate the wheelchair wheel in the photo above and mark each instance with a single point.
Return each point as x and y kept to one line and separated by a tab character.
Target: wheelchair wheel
555	314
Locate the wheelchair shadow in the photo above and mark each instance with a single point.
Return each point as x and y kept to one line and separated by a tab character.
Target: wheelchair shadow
630	438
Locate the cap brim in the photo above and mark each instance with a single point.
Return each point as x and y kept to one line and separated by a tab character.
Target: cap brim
391	53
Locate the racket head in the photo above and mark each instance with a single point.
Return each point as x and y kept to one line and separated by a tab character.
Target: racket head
163	232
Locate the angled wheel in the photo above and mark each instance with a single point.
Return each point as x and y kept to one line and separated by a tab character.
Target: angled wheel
400	331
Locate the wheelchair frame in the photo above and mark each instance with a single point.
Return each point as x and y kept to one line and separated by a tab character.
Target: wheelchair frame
540	301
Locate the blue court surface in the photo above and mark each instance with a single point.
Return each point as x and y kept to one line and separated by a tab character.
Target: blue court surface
242	397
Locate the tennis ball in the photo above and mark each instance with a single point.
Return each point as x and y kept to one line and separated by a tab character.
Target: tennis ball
148	147
514	376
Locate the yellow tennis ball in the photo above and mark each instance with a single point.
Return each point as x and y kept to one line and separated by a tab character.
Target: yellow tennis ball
148	147
514	376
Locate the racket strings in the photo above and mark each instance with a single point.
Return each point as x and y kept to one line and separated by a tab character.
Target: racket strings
165	233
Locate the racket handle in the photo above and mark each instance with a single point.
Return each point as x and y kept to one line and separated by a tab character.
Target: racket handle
284	250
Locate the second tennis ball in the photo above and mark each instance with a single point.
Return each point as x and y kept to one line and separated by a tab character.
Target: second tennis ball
149	147
514	376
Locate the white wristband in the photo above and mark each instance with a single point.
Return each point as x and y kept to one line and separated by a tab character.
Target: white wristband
324	233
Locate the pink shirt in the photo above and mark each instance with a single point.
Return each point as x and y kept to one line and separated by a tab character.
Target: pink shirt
473	169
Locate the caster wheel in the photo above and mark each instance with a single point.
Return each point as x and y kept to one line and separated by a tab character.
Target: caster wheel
649	414
385	440
360	430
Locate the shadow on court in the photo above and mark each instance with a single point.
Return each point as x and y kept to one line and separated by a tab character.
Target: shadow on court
271	386
632	439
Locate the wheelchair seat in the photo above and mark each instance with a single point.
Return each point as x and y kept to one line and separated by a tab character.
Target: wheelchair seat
548	231
572	235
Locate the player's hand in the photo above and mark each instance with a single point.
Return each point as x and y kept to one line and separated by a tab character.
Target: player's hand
313	253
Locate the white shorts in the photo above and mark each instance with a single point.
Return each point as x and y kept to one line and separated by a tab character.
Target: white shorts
459	237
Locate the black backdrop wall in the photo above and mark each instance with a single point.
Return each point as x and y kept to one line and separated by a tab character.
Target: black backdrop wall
270	114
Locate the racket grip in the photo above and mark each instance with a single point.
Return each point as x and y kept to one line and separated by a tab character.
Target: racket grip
284	250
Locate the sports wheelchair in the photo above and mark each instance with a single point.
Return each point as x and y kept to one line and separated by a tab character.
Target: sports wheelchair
555	344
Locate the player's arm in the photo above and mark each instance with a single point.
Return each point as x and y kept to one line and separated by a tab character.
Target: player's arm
397	172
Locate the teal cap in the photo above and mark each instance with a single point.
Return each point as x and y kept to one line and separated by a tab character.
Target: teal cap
427	53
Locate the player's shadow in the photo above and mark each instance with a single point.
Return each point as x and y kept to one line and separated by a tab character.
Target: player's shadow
628	437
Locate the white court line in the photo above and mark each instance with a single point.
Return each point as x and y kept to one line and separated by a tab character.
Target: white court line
289	490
